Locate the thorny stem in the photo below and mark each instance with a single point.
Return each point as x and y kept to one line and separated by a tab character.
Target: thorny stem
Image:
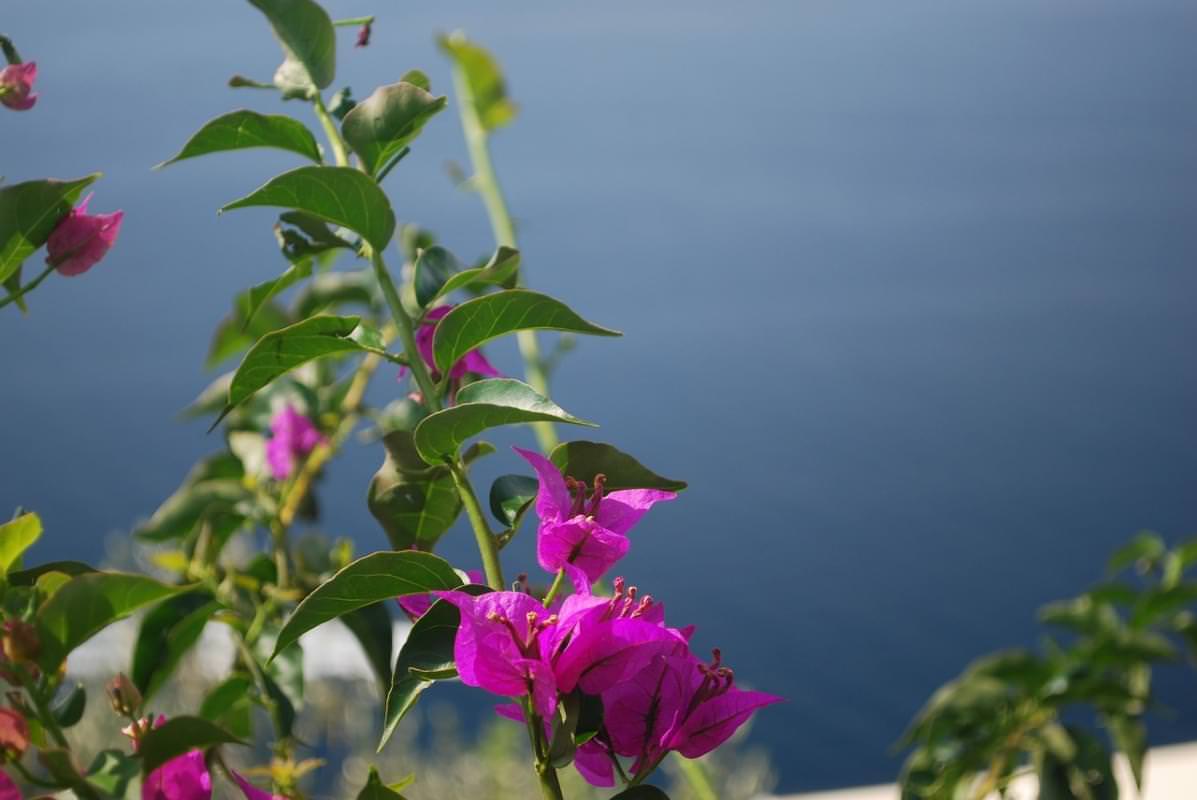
488	546
340	154
487	183
29	287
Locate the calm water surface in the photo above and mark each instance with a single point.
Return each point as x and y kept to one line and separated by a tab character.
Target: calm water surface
908	292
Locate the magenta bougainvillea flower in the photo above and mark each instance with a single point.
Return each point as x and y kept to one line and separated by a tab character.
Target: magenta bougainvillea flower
601	641
677	703
472	361
16	86
80	240
8	789
500	646
417	605
184	777
590	534
293	436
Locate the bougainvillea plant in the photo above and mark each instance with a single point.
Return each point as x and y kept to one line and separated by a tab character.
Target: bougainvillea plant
594	671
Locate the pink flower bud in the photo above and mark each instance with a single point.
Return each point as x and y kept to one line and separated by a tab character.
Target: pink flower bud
363	36
16	84
14	732
82	239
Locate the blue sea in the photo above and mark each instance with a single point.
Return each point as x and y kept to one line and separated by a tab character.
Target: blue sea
908	292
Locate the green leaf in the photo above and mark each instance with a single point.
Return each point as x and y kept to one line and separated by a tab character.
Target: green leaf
372	626
387	121
29	212
167	632
224	697
112	771
1089	777
87	604
238	130
192	504
501	270
642	792
28	577
511	496
281	351
68	710
428	650
583	460
341	195
309	42
375	789
16	536
61	766
484	84
434	267
251	301
1145	548
179	735
482	405
237	332
370	579
477	321
413	501
1129	735
336	289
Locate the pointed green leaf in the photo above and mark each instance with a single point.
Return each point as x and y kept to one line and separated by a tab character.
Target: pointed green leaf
16	536
179	735
29	212
511	496
341	195
309	43
166	633
88	603
482	405
281	351
434	267
375	789
370	579
387	121
583	460
242	129
428	650
501	270
28	577
480	81
371	625
477	321
251	301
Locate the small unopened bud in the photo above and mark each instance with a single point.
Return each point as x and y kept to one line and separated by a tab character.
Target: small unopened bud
14	733
21	642
125	698
363	35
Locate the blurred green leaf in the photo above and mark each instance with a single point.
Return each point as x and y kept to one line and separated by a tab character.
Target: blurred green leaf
61	766
387	121
336	289
252	300
477	321
214	501
1089	777
375	789
434	266
88	603
1129	735
309	43
29	212
1145	549
482	405
179	735
584	460
484	88
239	330
112	771
241	129
224	696
69	708
341	195
371	625
28	577
370	579
166	633
501	270
16	536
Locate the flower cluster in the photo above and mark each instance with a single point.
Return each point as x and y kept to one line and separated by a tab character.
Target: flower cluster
656	696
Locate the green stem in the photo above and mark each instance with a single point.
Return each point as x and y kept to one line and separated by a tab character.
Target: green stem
555	588
487	184
43	710
340	154
349	22
407	333
10	51
488	546
29	777
29	287
696	776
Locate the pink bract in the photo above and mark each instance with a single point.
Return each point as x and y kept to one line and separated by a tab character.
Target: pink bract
18	80
80	240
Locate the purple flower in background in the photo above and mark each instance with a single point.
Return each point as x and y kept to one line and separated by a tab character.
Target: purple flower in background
499	646
590	534
472	361
80	240
293	436
16	86
677	703
417	605
8	789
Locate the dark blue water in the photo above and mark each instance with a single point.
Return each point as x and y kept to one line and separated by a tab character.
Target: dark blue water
908	291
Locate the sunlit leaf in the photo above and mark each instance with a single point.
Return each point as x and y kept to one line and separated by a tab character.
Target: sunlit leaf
242	129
